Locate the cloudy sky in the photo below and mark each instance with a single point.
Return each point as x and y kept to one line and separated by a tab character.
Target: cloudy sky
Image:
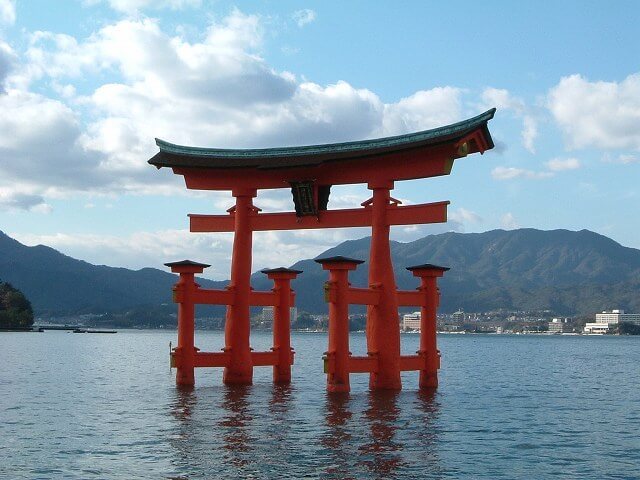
86	86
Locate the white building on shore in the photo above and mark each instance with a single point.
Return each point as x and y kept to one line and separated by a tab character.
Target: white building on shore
411	321
458	316
596	328
617	316
557	325
605	321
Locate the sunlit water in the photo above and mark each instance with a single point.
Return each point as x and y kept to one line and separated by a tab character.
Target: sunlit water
81	406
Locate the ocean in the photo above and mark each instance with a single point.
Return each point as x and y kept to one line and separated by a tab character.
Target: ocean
88	406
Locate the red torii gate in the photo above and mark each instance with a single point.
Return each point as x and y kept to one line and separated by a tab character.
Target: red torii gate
310	171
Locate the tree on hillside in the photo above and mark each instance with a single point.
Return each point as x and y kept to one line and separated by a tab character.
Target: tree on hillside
627	328
15	309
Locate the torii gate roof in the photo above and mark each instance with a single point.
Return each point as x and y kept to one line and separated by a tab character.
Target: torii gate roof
336	163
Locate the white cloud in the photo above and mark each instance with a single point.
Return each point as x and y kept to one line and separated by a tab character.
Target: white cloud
622	159
135	6
598	114
423	110
303	17
152	249
503	100
42	148
7	61
210	92
508	222
289	50
462	215
560	164
138	250
49	155
7	11
529	133
13	200
509	173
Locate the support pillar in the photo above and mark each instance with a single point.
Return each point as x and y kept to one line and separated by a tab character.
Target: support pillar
337	356
238	323
383	329
185	353
282	321
428	315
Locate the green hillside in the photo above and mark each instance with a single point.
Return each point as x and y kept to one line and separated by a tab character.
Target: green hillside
559	270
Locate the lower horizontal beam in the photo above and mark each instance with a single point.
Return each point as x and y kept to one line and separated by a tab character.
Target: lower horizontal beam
363	364
204	296
411	299
221	359
212	359
413	362
268	299
263	359
363	296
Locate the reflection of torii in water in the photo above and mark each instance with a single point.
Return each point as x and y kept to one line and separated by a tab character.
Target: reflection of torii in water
310	171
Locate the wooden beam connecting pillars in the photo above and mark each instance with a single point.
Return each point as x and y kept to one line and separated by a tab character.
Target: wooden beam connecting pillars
342	218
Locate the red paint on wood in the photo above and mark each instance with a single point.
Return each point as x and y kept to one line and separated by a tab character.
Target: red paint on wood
237	325
352	217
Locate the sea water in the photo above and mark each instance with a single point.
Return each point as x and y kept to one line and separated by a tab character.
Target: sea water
82	406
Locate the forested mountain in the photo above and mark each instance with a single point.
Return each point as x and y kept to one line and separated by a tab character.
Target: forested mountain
560	270
56	283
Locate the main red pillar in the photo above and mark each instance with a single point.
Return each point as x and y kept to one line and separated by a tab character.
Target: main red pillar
238	324
383	329
185	353
428	316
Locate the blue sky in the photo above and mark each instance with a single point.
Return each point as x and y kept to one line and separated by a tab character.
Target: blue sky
85	86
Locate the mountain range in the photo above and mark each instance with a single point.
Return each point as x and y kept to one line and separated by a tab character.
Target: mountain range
563	271
58	284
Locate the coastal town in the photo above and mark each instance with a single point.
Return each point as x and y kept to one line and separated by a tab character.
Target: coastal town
608	322
521	322
612	322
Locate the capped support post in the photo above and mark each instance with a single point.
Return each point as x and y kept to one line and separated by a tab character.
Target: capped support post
337	356
184	354
282	321
428	274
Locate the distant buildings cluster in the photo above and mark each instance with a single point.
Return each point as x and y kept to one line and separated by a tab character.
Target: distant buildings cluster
487	322
523	322
558	325
267	315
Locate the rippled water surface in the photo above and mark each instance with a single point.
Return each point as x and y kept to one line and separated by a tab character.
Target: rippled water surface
79	406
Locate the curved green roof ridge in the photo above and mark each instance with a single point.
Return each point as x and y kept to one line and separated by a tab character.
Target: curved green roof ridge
425	136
